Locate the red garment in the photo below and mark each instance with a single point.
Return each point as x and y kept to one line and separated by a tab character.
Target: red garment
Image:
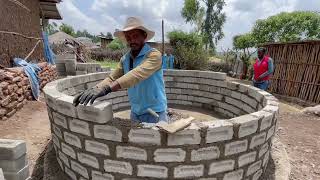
261	68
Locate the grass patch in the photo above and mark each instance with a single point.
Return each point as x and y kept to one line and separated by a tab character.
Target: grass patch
108	63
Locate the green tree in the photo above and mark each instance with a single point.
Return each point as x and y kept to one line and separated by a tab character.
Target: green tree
116	44
67	29
209	19
243	43
109	35
51	28
193	13
284	27
188	50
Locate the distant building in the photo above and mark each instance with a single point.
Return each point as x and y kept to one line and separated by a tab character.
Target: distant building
105	41
21	26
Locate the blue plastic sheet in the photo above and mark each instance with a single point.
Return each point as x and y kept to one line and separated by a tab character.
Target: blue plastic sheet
31	71
49	55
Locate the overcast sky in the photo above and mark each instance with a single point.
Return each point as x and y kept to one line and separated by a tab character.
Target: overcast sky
106	15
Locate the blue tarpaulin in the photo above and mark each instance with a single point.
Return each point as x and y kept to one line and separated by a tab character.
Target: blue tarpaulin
50	56
31	71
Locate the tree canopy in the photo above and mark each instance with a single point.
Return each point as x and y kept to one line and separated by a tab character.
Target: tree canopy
284	27
209	19
244	41
67	29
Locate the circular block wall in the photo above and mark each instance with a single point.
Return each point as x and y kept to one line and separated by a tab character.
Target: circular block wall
91	144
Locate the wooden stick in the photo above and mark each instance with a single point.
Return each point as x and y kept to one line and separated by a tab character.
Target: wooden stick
30	53
21	5
18	34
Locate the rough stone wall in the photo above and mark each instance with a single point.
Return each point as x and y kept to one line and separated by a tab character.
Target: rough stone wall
13	160
15	88
17	19
90	144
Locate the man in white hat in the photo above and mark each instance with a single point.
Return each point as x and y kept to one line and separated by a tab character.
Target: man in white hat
139	70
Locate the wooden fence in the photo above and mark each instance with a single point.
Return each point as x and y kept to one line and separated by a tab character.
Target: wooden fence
297	69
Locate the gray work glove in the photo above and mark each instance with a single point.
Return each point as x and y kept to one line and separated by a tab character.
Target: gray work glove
90	95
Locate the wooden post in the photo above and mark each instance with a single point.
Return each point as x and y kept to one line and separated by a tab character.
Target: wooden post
162	38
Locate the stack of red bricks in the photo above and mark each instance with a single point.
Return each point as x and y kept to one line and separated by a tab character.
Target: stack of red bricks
15	88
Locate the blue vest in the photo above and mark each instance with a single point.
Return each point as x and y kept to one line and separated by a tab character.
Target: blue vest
149	93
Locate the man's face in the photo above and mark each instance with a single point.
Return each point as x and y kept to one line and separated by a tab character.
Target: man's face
135	38
260	54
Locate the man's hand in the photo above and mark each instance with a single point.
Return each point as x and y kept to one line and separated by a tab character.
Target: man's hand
90	95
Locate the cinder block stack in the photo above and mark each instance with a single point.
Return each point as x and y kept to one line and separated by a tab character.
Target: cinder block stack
13	159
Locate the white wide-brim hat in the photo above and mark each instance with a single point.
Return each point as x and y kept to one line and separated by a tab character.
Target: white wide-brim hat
131	24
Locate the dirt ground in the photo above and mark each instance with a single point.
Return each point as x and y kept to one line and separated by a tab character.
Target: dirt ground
300	134
31	124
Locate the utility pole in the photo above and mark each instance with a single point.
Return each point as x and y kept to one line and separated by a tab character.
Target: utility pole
162	37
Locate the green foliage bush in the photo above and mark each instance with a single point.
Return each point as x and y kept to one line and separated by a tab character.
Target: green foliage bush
116	44
188	50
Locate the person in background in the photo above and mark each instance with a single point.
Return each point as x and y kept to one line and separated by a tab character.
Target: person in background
262	70
139	71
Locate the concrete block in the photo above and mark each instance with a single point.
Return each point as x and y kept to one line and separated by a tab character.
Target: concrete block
97	148
234	102
248	108
266	158
65	106
152	171
250	101
12	149
221	166
68	150
80	127
247	124
266	119
257	175
169	155
247	158
188	171
254	167
60	120
70	173
1	175
14	165
271	132
234	175
144	136
57	131
106	132
257	140
72	139
184	137
20	175
99	112
81	73
88	160
263	149
60	164
64	159
101	176
207	153
79	169
118	167
236	147
219	131
272	109
130	152
56	140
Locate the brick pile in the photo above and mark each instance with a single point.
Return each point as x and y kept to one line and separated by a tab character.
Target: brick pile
15	88
91	145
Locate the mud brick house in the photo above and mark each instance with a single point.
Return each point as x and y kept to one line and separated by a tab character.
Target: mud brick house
21	25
